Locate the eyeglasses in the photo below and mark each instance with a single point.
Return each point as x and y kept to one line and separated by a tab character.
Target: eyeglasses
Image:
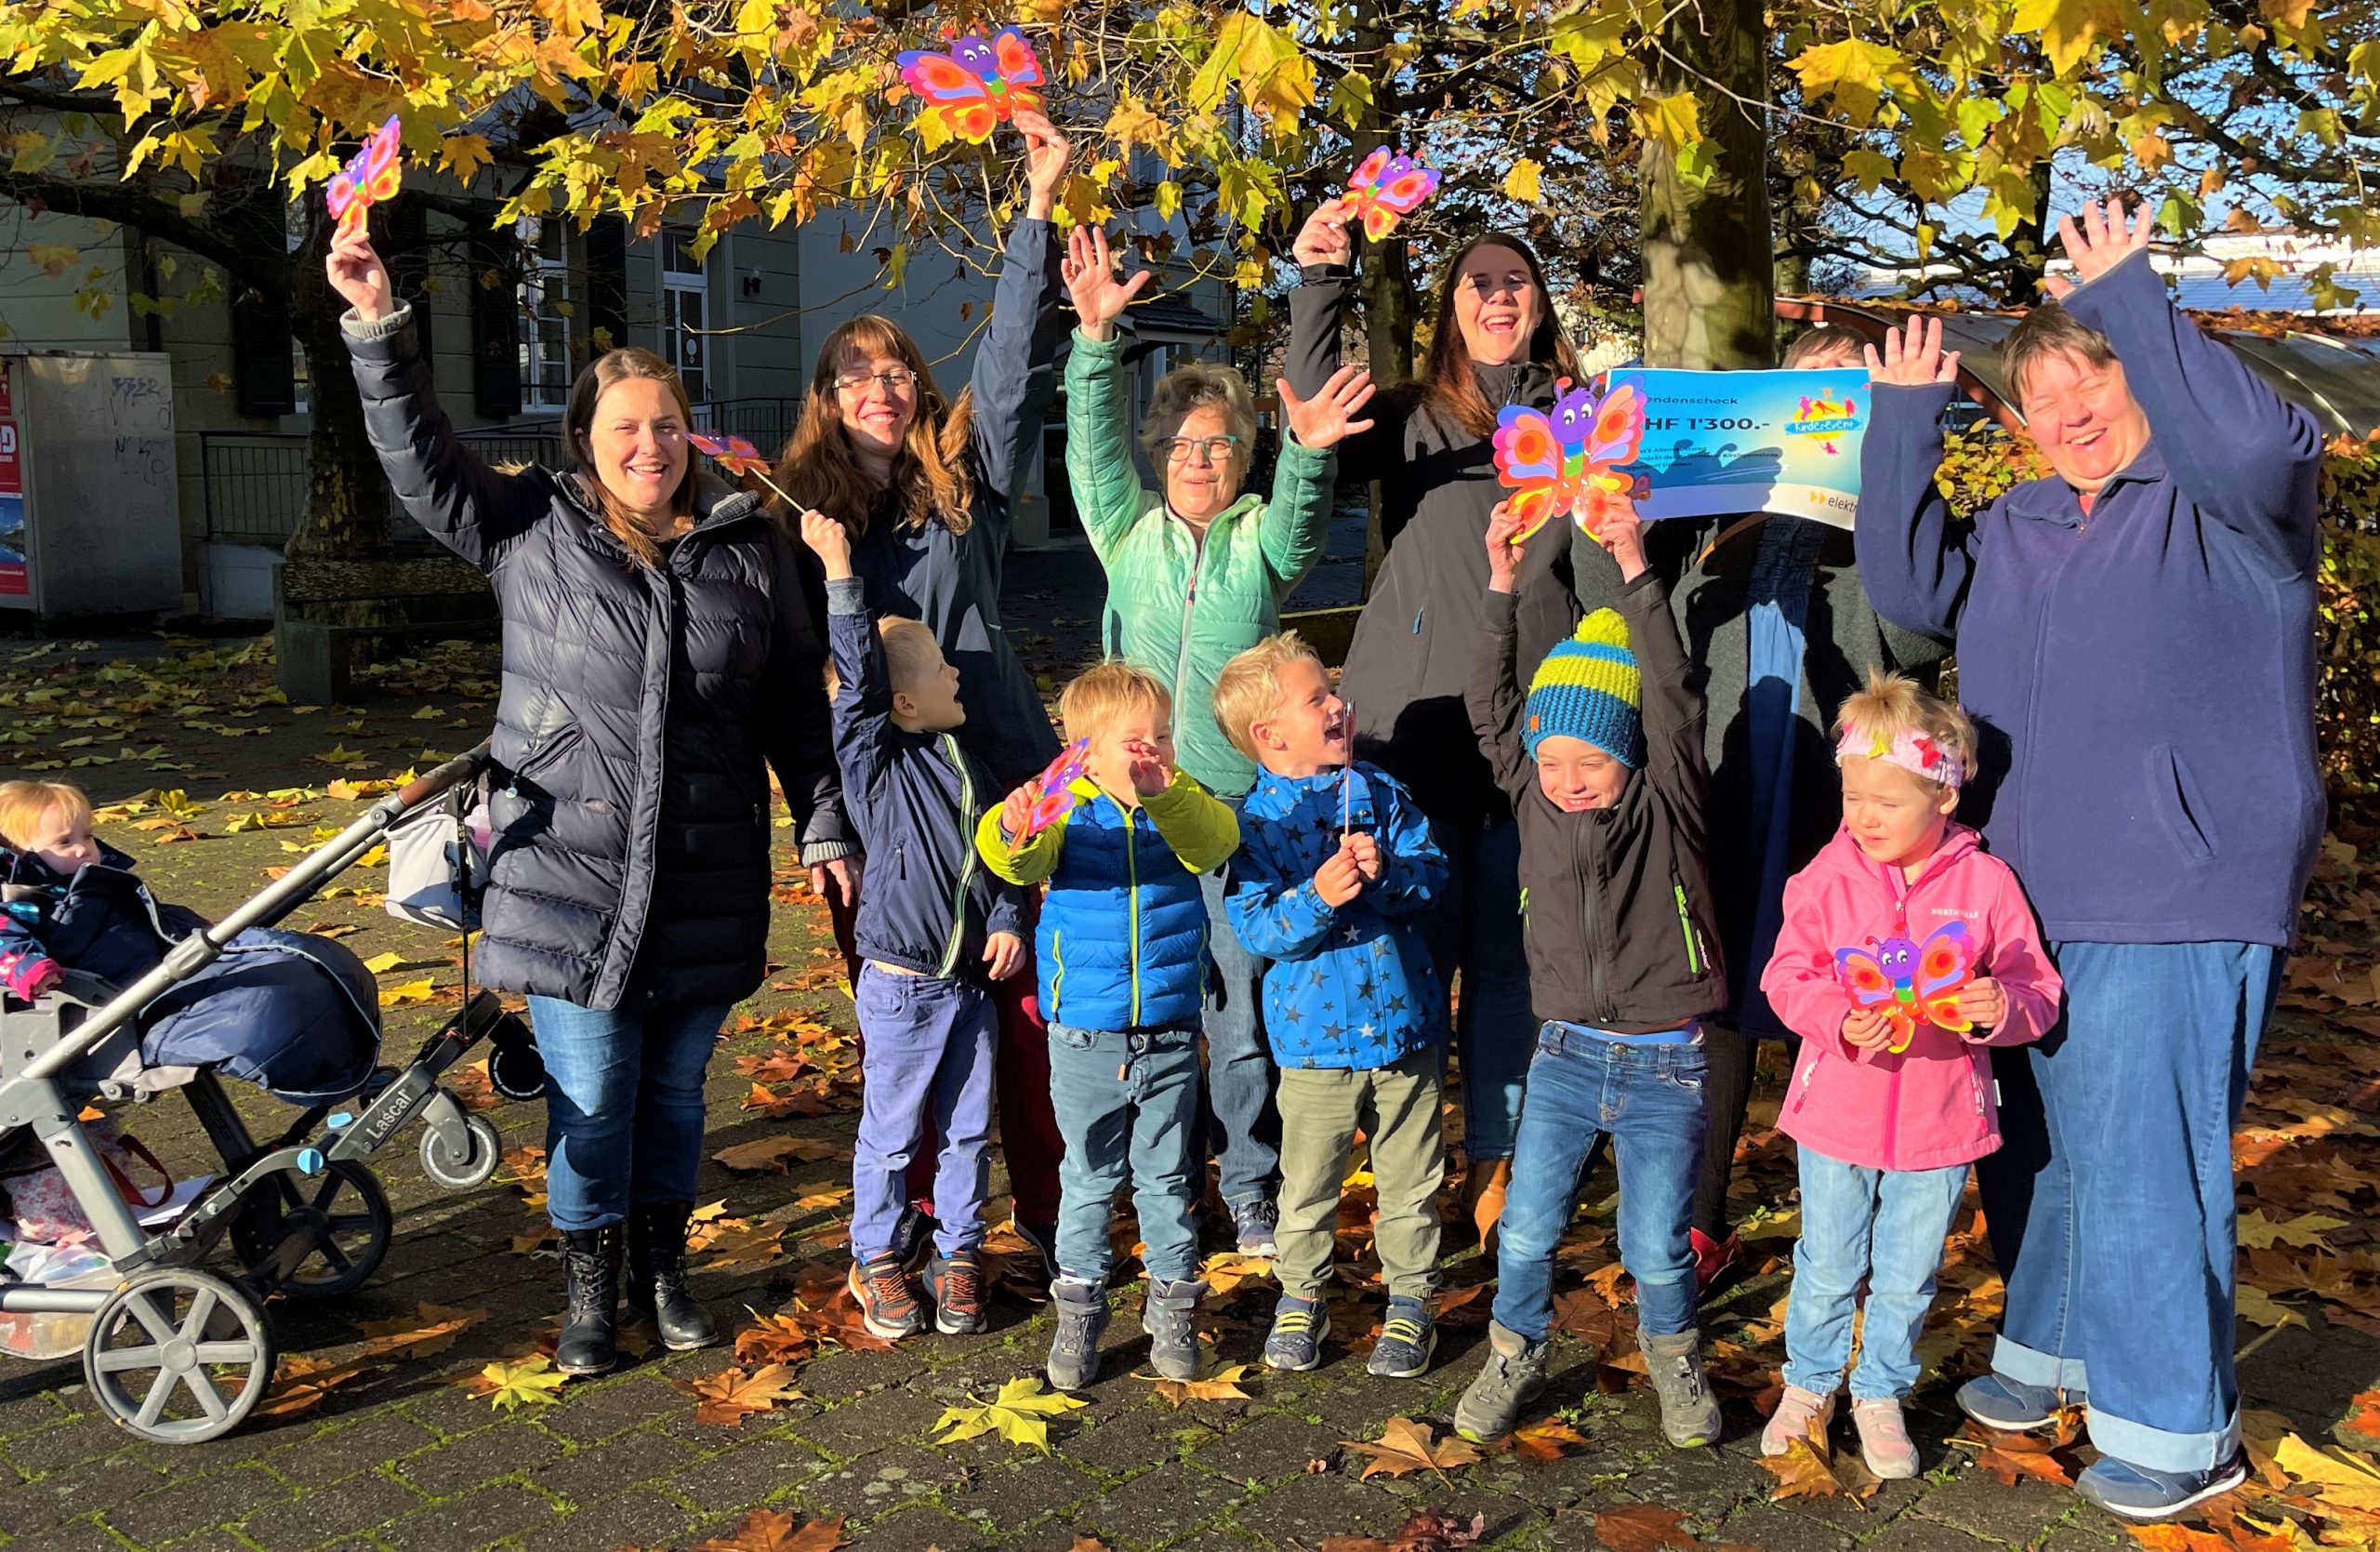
898	379
1216	448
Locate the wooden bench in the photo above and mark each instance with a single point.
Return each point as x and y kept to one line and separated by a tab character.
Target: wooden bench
434	598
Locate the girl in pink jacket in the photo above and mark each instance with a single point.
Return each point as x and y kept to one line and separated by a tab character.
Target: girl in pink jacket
1905	951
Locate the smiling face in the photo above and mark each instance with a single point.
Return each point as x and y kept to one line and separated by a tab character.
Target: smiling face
1307	732
1496	304
62	841
1199	484
636	443
1896	817
1576	775
2083	416
877	398
1143	727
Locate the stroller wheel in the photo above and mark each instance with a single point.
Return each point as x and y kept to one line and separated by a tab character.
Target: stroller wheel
345	1212
178	1355
475	1167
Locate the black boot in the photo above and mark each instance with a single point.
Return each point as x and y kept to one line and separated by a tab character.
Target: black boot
656	1290
590	1259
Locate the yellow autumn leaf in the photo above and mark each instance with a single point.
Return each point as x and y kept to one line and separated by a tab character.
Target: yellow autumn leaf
1018	1414
2261	1308
405	994
2348	1482
379	962
1521	181
533	1381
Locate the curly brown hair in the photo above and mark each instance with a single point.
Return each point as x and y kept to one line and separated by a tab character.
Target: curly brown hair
930	474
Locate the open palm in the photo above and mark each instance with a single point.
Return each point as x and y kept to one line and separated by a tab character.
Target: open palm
1090	274
1328	417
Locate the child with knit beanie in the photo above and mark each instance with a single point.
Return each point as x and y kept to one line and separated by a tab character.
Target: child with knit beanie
1605	764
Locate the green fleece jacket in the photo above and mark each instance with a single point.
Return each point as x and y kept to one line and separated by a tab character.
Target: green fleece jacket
1180	607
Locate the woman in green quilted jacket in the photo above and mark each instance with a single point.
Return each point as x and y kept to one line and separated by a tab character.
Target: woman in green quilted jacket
1195	573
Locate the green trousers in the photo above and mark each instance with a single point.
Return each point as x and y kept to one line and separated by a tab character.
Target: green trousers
1396	1107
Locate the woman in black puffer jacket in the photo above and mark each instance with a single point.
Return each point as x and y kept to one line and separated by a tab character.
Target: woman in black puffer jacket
660	653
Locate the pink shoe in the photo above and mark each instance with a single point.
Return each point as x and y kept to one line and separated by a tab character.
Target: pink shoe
1883	1439
1796	1415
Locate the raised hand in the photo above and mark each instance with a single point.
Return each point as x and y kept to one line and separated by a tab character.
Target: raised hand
1016	813
1089	270
1325	238
357	274
1622	532
1504	549
1147	768
1326	419
1912	356
2105	238
828	542
1045	162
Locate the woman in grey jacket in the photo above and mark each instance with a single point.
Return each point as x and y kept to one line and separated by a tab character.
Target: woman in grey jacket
660	653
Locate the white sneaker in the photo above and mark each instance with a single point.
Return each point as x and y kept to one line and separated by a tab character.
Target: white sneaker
1793	1419
1883	1439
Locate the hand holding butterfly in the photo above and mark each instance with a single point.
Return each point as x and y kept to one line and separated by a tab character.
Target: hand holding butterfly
357	274
828	542
1089	270
1866	1029
1340	879
1003	955
1983	1004
1622	533
1325	238
1503	547
1326	419
2102	240
1912	357
1045	162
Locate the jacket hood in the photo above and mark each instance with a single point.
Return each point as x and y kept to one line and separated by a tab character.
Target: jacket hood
1843	858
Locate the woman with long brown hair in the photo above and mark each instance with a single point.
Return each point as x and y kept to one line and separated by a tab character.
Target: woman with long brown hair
1494	342
925	486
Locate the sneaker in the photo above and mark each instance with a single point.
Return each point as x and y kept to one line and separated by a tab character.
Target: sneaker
2011	1406
887	1307
912	1235
1513	1375
1170	1316
1689	1413
1883	1439
2137	1492
1082	1318
957	1284
1717	1262
1043	1238
1406	1341
1254	1221
1295	1343
1793	1418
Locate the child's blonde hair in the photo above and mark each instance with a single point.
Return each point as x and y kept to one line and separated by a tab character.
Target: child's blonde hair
1100	694
1894	704
24	804
1248	690
910	654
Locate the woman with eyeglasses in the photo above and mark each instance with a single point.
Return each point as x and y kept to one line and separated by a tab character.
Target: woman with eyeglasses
1494	342
925	486
1196	572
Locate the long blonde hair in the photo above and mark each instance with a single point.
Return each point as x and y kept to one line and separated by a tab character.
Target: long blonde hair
931	473
578	420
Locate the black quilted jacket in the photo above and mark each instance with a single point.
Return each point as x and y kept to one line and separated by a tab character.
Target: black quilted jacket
631	863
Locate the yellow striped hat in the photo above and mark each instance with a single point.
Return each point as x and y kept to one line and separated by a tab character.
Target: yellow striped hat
1588	687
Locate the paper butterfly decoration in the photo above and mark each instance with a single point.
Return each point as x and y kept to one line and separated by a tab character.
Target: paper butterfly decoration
372	176
1912	984
1052	790
1388	187
1571	460
732	453
978	84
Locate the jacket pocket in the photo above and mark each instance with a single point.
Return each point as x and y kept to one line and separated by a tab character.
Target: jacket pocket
548	748
2179	805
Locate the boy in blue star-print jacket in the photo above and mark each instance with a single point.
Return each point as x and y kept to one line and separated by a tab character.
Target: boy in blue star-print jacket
1332	885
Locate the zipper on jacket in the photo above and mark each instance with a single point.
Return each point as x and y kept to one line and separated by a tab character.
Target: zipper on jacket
967	817
1685	925
1189	602
1132	883
1058	974
1596	993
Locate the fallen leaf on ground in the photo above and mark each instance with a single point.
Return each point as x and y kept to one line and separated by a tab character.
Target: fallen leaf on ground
2013	1456
768	1531
406	992
2261	1308
430	1329
2303	1232
1428	1531
1405	1445
531	1381
1549	1440
732	1395
1644	1528
2341	1479
775	1339
1808	1469
771	1155
1018	1414
2365	1417
299	1382
1223	1386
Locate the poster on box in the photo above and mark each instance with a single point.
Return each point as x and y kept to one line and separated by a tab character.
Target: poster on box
14	581
1751	442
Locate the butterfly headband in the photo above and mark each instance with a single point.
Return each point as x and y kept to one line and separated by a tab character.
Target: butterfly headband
1916	752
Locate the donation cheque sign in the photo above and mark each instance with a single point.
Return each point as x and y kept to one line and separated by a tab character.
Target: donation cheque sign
1750	442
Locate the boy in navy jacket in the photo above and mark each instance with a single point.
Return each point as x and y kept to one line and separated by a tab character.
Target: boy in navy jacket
1334	878
935	929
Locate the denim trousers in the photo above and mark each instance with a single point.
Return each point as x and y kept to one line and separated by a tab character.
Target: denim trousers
1476	928
1648	1096
926	1073
1886	1227
624	1105
1128	1107
1245	1134
2110	1201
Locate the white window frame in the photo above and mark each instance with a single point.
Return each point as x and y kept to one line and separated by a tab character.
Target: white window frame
543	334
701	381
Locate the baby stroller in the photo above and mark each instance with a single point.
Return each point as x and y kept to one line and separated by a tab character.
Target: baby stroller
178	1353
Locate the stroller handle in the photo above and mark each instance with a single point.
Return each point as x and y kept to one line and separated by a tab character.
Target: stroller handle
277	900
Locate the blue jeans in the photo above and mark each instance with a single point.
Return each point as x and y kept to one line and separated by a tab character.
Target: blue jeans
2110	1201
1247	1129
1884	1226
926	1071
624	1105
1127	1108
1476	927
1649	1098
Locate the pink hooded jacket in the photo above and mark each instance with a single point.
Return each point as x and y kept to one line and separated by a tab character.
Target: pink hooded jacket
1932	1105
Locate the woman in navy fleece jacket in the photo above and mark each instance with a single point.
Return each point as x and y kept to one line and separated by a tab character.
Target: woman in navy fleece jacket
2135	644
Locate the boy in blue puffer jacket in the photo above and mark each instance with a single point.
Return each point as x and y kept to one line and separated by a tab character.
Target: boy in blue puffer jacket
1122	948
935	932
1334	879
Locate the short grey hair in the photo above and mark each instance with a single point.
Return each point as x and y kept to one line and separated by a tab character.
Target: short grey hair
1198	386
2048	330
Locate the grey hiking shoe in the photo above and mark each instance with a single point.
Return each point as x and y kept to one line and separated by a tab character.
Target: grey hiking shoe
1689	1413
1253	1229
1082	1319
1514	1373
1408	1338
1170	1316
1295	1343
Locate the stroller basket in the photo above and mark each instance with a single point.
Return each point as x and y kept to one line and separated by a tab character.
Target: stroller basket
176	1353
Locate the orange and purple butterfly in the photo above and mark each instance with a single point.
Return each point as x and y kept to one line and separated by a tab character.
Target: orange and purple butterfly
1386	188
1054	794
980	84
1570	462
732	453
372	176
1910	984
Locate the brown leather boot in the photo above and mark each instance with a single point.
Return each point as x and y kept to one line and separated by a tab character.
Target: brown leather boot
1482	1196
